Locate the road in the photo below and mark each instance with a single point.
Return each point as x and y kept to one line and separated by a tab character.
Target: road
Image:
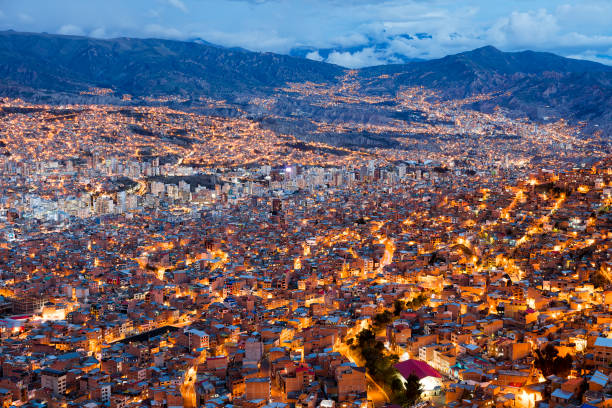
188	387
376	393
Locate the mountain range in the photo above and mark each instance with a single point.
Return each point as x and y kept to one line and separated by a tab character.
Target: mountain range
535	84
141	67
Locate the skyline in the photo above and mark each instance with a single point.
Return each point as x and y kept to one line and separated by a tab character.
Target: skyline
363	33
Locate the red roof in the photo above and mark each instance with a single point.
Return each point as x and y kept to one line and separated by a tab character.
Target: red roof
302	367
416	367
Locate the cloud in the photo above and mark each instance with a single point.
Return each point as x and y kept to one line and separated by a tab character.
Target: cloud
601	57
179	5
315	56
99	32
365	57
581	40
356	31
254	39
350	40
70	29
525	28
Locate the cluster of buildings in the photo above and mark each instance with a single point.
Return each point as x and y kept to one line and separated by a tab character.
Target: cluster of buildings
157	258
251	302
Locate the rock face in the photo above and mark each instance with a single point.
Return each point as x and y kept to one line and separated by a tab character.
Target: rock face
534	84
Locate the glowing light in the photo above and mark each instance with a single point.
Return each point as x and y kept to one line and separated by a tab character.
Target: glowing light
430	383
583	189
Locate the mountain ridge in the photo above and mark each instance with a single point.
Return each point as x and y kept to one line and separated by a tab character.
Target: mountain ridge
527	83
147	66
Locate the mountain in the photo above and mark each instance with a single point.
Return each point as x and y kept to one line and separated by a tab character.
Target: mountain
141	67
537	84
540	85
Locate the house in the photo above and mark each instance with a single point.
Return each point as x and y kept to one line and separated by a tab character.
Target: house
430	379
560	398
602	349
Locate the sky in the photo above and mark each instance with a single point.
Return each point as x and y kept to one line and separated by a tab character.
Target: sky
351	33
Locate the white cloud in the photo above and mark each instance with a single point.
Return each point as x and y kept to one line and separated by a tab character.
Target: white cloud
99	32
179	5
256	40
581	40
601	57
525	28
375	27
70	29
589	17
153	13
405	47
365	57
350	40
315	56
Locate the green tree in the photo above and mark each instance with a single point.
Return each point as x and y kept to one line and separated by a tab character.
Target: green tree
398	307
417	301
549	362
397	386
598	280
381	320
411	393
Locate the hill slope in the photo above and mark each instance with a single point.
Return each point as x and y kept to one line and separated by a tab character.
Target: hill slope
530	83
539	85
146	66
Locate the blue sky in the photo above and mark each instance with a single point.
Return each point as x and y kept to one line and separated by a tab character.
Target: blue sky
352	29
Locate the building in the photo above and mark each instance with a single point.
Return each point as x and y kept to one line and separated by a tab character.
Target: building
257	388
54	380
28	304
602	350
430	379
351	380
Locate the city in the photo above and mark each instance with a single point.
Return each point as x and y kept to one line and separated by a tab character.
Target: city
322	243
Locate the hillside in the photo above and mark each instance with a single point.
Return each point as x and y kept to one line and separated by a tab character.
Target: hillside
539	85
145	66
535	84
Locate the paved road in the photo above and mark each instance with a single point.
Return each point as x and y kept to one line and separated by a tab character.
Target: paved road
375	392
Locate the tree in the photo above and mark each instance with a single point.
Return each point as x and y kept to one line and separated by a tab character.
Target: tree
398	307
544	359
381	366
417	302
562	365
411	393
549	362
397	385
365	338
382	319
598	280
